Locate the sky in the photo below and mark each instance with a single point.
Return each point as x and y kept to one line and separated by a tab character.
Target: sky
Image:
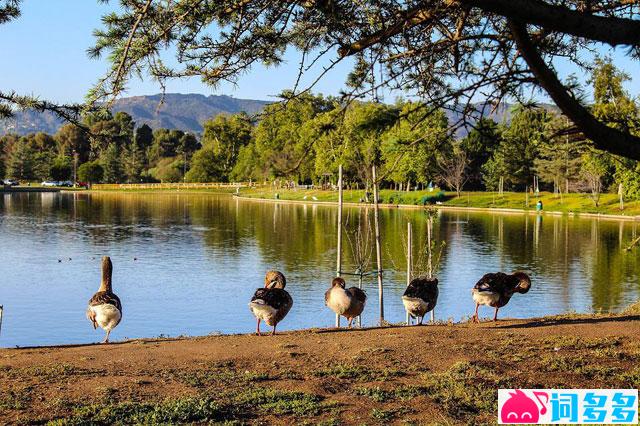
43	53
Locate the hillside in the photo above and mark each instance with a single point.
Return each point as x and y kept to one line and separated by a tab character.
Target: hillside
179	111
188	111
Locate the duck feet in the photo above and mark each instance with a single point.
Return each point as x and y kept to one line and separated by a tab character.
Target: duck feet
475	318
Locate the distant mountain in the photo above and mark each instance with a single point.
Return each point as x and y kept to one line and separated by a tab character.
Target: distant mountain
178	111
188	112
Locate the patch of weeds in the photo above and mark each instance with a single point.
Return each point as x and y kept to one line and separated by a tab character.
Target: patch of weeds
466	389
329	422
169	411
385	415
562	363
629	378
48	372
15	399
389	414
381	395
273	401
358	373
580	343
375	351
375	393
203	378
600	372
611	353
290	375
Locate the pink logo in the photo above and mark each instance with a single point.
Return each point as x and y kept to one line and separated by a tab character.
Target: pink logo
519	408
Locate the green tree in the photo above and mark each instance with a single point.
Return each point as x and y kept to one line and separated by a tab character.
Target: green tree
61	168
559	157
90	172
206	166
132	162
479	145
353	138
416	145
166	144
111	164
594	167
247	166
225	135
168	170
70	138
21	160
513	160
617	109
281	137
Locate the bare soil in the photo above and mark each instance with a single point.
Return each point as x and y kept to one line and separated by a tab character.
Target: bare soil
433	374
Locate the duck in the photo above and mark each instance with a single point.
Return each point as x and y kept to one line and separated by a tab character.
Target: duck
496	289
105	308
347	302
420	297
271	303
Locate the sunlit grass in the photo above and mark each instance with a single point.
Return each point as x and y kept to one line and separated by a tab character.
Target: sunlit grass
567	203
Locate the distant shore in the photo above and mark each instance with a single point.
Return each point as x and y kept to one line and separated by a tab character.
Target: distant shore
572	204
10	189
445	373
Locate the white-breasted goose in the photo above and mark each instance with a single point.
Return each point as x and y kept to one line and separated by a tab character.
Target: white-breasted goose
271	303
348	302
105	309
496	289
420	297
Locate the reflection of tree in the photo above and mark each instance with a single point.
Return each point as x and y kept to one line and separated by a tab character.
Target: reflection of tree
581	259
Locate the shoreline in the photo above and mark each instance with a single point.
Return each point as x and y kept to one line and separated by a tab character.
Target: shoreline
452	208
378	375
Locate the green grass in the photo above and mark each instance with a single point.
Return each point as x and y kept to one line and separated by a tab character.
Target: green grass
466	390
179	410
228	407
358	373
568	203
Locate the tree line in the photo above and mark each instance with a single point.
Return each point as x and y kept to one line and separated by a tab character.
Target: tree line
304	139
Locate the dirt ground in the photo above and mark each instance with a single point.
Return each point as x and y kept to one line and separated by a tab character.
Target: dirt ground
434	374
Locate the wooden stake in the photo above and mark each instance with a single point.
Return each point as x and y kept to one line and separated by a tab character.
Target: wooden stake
359	320
1	312
339	249
409	262
376	224
429	252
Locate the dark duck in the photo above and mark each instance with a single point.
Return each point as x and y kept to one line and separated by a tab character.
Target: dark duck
105	309
420	297
271	303
496	289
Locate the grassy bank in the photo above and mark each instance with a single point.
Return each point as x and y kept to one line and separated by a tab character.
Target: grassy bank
440	374
569	203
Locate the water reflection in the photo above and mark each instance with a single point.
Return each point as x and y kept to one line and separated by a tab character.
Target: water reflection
200	257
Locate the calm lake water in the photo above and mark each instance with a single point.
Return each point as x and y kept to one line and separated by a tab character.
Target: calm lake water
201	256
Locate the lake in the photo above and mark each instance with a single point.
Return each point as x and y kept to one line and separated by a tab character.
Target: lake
188	264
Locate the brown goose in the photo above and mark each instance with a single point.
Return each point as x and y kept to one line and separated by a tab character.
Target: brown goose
105	309
271	303
346	302
496	289
420	297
